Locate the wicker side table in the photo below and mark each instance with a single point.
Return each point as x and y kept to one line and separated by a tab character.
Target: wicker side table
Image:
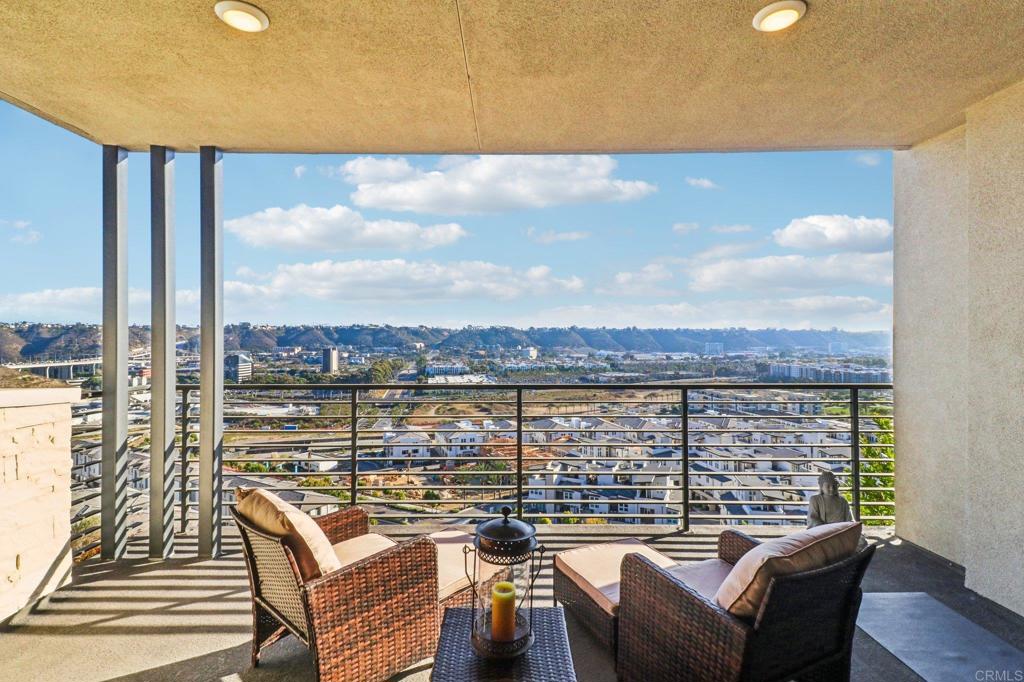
549	659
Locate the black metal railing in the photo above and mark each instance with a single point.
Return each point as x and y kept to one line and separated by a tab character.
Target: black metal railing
747	453
87	471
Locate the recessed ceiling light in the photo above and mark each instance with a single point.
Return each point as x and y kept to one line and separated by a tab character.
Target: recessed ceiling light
779	15
242	15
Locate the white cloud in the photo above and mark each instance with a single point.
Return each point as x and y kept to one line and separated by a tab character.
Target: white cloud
794	272
856	313
720	251
685	228
71	304
401	280
836	233
487	184
647	281
57	300
299	171
869	159
27	237
337	229
551	236
702	183
22	232
731	229
368	169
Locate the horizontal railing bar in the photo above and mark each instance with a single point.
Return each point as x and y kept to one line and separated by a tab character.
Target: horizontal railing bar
235	400
286	431
554	387
842	488
82	534
576	460
481	486
779	417
756	401
745	517
769	503
747	503
434	401
592	488
289	417
85	466
789	446
438	417
741	458
333	443
82	550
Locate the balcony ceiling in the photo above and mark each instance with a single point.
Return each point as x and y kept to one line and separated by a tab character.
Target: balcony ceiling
507	76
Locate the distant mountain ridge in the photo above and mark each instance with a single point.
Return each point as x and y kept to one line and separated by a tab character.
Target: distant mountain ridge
23	340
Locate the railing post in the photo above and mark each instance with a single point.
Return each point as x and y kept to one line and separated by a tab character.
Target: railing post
684	410
183	458
519	453
855	449
353	411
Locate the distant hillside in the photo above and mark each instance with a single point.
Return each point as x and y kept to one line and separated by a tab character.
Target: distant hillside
23	341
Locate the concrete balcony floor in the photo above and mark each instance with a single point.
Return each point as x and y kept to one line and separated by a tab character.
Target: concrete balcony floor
187	620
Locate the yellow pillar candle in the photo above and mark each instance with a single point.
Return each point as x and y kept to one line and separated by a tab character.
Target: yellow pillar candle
503	612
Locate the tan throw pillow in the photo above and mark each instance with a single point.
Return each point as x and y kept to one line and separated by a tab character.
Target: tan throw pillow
744	588
308	543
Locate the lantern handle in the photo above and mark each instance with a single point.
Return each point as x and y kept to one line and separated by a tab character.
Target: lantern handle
536	574
466	551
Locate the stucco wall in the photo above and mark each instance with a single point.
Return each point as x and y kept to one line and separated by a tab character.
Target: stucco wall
995	484
960	233
930	293
35	494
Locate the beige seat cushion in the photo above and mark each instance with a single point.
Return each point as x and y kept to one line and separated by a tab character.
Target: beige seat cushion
451	563
300	533
596	568
352	550
705	577
806	550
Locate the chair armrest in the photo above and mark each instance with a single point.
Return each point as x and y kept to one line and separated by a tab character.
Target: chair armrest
375	617
667	631
733	544
348	523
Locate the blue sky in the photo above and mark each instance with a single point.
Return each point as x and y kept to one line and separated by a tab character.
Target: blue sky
782	239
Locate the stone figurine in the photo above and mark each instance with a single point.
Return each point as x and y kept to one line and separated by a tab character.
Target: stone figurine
828	506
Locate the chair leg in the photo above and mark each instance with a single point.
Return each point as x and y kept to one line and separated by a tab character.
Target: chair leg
265	631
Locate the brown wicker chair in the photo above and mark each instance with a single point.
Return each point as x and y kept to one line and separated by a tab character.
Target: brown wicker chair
364	622
803	630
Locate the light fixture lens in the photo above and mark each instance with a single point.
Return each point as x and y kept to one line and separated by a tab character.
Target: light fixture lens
242	15
779	15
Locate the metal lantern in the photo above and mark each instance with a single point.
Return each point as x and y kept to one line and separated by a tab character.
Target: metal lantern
503	569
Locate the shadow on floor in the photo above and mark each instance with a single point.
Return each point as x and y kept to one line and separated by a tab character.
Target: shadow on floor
186	620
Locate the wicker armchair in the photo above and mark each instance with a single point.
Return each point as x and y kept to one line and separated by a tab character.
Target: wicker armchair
803	630
366	621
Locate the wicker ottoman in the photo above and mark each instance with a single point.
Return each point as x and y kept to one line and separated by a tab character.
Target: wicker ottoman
587	583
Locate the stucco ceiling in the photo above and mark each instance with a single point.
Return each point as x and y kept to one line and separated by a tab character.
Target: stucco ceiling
507	75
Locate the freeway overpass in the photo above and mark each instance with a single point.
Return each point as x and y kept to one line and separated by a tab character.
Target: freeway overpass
59	369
